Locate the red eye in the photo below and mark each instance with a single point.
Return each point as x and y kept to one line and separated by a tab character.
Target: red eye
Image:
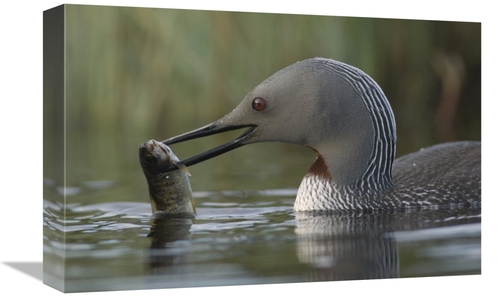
259	104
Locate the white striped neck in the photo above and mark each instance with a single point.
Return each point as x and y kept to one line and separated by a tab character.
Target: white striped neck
356	160
319	191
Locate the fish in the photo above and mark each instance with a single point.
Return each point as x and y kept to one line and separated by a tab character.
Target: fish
169	192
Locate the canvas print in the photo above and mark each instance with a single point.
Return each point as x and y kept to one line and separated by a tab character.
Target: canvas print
189	148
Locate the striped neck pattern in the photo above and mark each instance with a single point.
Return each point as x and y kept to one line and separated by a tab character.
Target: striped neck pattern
318	191
378	173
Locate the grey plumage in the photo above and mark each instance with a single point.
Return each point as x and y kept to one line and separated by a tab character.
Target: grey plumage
344	116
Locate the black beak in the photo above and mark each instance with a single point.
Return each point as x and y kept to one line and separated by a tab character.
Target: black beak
207	130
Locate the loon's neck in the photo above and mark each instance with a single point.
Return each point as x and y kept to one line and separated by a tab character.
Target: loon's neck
320	191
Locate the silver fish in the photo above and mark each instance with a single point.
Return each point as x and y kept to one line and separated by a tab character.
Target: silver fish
170	193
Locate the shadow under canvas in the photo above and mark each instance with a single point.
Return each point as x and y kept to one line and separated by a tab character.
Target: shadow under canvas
33	269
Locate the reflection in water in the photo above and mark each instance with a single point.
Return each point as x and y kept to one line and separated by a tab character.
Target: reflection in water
118	245
346	246
353	245
169	243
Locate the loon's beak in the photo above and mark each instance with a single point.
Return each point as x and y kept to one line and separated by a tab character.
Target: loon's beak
210	129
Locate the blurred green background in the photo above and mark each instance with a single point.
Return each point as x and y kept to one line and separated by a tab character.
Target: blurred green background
133	74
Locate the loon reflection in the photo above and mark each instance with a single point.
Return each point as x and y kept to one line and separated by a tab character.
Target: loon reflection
332	246
354	245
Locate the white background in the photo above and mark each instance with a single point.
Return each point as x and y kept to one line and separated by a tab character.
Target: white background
21	144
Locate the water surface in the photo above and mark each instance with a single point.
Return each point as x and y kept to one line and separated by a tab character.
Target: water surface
249	237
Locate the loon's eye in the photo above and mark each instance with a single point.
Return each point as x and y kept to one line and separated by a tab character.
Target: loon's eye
259	104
